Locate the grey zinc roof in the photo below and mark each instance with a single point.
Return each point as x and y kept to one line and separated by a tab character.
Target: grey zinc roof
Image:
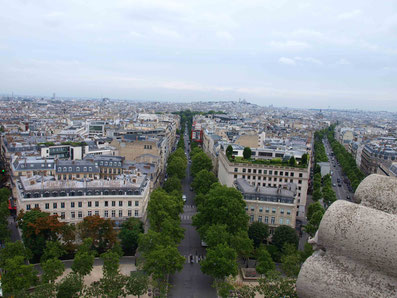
72	165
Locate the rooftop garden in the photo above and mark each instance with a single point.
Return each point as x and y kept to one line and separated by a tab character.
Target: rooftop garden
275	161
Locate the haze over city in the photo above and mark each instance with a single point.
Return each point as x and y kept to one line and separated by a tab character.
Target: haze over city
307	54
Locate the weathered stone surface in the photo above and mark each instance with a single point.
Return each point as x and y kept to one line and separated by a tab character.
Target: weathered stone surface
356	246
378	192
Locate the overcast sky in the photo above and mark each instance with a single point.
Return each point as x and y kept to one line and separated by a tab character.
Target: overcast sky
328	53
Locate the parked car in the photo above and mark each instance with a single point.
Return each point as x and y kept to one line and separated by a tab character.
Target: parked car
184	198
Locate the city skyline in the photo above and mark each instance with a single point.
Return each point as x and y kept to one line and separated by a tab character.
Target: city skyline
309	55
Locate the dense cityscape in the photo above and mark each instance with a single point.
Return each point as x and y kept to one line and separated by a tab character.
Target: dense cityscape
201	198
198	149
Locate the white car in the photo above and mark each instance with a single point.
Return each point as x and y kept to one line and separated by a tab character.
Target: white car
184	198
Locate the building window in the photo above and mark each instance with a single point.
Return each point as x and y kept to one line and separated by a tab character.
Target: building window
235	176
292	174
252	208
54	205
120	213
90	213
267	209
28	207
266	219
136	213
282	211
97	212
62	205
136	203
129	213
243	176
249	170
260	209
80	204
62	215
235	170
120	203
89	204
275	172
80	214
36	206
244	170
248	177
288	212
113	203
246	208
260	218
273	220
300	175
47	205
113	213
96	203
273	210
129	203
299	181
106	214
259	171
106	203
71	204
281	221
73	214
252	218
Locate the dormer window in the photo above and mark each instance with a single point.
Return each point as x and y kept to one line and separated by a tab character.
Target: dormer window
64	169
77	169
70	169
90	168
85	169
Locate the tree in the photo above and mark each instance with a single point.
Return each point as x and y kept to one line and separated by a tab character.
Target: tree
173	183
284	234
112	283
313	208
137	283
17	276
201	161
220	262
100	230
4	214
162	260
216	234
52	269
305	159
307	252
229	151
274	285
264	261
202	181
70	286
161	206
38	227
258	232
314	222
317	195
291	264
13	249
177	167
53	249
223	205
129	235
247	153
292	162
84	259
242	244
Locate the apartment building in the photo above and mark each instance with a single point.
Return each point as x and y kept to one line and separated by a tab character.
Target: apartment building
267	175
272	206
72	200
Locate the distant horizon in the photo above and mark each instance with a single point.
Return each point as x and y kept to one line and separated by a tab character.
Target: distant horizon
181	101
304	54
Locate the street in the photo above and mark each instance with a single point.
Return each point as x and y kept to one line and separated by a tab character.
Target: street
190	282
342	191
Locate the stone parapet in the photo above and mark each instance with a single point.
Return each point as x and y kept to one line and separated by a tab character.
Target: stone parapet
355	246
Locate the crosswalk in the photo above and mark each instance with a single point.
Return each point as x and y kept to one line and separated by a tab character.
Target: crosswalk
194	258
189	207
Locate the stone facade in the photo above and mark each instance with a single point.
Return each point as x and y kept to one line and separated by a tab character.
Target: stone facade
355	246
